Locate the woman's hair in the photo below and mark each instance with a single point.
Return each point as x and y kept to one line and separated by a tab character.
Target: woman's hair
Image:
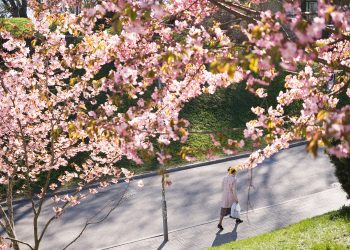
232	170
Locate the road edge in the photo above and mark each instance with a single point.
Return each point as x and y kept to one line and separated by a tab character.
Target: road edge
155	172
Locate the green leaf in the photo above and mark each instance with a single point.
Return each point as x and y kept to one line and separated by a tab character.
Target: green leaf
131	13
117	24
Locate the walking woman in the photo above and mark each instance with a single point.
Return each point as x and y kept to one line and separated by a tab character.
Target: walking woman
229	195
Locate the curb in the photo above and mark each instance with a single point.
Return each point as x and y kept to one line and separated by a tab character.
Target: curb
154	173
206	163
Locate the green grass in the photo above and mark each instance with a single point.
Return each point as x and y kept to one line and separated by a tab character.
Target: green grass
19	27
226	109
329	231
220	112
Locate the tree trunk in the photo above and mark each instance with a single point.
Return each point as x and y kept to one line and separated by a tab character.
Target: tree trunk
17	8
11	224
164	211
23	9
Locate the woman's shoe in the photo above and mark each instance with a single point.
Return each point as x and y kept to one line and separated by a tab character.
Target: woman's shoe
220	227
238	221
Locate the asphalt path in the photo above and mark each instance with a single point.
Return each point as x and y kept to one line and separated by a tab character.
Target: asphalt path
193	198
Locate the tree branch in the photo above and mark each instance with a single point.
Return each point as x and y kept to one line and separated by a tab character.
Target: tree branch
9	199
88	222
6	218
181	11
3	225
19	241
338	65
341	89
45	188
8	228
53	218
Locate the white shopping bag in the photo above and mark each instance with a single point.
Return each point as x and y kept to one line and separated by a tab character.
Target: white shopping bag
235	210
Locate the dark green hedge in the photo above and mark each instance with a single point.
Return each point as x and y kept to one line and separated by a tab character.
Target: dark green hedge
342	171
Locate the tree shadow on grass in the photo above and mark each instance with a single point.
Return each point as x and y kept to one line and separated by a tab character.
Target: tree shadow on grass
225	238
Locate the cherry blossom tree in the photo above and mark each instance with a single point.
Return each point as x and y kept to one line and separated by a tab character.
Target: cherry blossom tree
40	131
312	59
57	105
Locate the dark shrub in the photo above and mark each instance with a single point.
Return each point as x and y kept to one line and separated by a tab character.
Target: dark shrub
342	171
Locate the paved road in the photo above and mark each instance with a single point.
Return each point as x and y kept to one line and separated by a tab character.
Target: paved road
193	199
256	222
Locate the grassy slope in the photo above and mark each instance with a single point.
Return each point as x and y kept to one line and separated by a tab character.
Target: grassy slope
226	109
17	26
329	231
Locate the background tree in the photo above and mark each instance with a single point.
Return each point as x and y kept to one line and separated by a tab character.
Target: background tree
3	11
16	8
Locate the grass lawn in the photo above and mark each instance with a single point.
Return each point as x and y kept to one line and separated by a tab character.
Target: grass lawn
19	27
330	231
226	109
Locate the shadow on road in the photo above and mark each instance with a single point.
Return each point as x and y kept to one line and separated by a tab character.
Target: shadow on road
225	238
162	245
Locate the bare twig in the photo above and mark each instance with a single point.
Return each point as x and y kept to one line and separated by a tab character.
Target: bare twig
53	218
2	225
6	218
9	228
9	199
339	66
341	89
181	11
19	241
90	222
